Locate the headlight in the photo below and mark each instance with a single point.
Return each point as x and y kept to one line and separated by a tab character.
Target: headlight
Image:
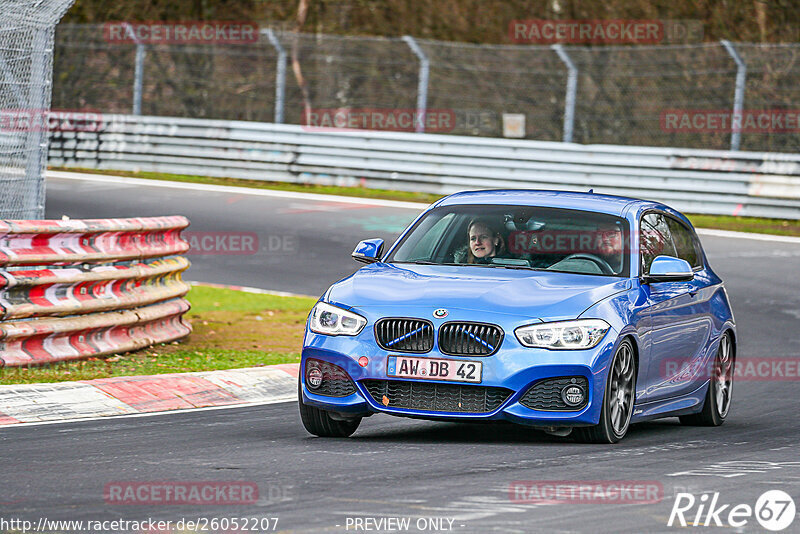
333	321
578	334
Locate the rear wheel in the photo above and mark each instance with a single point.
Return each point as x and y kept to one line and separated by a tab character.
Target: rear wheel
320	423
615	416
717	403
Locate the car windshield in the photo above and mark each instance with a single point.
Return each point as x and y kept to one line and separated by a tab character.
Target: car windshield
518	237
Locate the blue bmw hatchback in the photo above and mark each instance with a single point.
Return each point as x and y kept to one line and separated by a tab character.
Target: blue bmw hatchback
576	313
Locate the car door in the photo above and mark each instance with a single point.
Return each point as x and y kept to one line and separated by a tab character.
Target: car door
680	319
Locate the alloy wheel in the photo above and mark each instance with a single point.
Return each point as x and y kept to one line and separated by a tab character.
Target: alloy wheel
723	376
620	398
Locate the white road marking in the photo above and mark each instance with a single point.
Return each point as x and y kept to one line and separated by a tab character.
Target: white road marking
293	398
122	180
748	235
735	468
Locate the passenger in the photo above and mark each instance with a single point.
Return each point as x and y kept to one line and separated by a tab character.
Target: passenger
485	242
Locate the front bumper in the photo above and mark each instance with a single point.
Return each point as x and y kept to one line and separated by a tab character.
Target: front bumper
513	367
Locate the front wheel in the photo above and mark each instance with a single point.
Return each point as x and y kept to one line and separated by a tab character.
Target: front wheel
615	416
717	402
320	423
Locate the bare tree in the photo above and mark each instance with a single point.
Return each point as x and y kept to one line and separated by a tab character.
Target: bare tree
761	19
302	14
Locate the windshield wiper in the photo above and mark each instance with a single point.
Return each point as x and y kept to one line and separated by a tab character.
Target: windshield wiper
500	265
506	266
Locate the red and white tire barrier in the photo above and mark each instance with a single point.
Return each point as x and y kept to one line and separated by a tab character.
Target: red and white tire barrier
32	403
54	339
99	286
49	242
77	290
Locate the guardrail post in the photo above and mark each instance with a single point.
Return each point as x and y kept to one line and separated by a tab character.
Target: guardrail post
738	96
422	85
138	72
280	75
572	88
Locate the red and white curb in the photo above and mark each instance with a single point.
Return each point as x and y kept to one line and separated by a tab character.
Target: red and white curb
127	395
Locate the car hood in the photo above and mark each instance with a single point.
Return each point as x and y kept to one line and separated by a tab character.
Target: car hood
541	294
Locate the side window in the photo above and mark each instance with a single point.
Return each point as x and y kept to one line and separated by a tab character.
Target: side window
424	248
684	242
655	239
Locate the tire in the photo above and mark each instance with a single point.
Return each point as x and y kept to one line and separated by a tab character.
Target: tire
717	403
320	423
618	398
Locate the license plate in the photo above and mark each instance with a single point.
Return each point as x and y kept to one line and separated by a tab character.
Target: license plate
431	369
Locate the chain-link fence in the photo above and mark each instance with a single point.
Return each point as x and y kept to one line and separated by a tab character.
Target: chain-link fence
26	54
605	94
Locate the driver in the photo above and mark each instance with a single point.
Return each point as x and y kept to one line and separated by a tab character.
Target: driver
609	246
485	242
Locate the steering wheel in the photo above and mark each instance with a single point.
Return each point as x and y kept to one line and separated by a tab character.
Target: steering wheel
597	260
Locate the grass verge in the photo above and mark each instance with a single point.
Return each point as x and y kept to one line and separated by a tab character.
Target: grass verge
720	222
747	224
231	329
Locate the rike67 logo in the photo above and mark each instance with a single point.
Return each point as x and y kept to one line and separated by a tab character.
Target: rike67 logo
774	510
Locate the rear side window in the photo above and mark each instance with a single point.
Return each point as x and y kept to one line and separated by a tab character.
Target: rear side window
684	242
655	239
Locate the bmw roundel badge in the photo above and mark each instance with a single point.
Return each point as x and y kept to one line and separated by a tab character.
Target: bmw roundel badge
441	313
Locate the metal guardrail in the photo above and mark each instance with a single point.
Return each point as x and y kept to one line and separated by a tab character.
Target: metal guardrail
696	181
74	289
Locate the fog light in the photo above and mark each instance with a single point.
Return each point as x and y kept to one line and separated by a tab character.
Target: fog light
363	361
573	395
313	378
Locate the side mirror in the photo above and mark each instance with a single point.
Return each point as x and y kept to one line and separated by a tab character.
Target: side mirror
368	251
669	269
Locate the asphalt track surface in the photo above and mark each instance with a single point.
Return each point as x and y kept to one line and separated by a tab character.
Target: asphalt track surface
402	468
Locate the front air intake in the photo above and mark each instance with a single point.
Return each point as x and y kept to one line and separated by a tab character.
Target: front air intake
469	339
548	395
323	378
404	335
436	397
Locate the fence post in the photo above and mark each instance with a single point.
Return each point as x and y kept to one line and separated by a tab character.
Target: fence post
41	86
138	72
738	96
572	88
280	75
422	85
10	80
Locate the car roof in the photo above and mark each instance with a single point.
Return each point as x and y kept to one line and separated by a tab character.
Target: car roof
610	204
